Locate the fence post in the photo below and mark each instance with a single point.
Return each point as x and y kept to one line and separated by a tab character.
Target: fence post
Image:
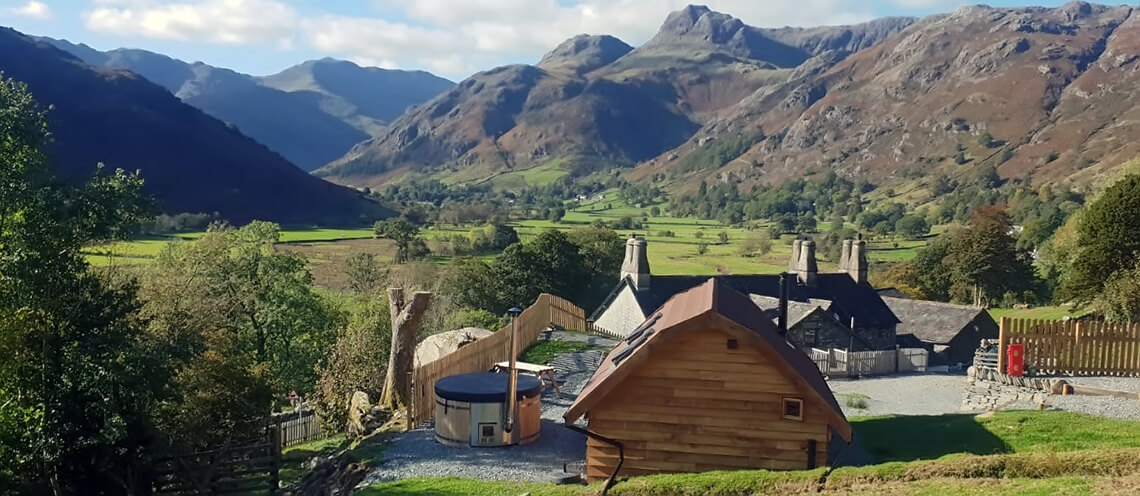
898	350
1076	359
275	451
1003	339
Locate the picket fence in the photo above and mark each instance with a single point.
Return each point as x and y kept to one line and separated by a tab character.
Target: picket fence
841	363
1072	347
547	311
298	427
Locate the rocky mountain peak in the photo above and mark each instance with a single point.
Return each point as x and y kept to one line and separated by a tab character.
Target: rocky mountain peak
584	53
698	23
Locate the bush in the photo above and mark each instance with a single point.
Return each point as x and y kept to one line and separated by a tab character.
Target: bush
667	234
754	245
358	362
702	248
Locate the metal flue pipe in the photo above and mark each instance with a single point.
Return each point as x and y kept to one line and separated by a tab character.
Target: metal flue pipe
512	379
785	290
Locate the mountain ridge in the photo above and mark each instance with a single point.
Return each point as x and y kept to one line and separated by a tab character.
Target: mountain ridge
621	106
310	124
190	162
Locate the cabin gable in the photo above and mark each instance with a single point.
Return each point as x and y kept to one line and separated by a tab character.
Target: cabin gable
706	399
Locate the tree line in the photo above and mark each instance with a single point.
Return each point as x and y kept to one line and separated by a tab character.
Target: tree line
108	370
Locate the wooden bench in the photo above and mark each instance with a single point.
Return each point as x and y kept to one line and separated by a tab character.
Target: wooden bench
543	372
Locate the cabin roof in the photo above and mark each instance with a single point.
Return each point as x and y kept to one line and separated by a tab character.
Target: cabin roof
714	299
932	321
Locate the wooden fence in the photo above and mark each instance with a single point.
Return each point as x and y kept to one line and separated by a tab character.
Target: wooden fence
298	427
248	470
1072	347
841	363
546	312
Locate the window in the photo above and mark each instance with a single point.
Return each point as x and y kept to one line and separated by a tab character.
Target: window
732	344
794	409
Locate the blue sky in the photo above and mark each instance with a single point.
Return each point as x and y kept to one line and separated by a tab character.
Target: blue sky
452	38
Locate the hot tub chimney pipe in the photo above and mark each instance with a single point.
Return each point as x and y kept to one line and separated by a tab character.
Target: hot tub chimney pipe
512	380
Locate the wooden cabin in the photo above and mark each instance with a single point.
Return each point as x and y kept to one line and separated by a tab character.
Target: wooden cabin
707	383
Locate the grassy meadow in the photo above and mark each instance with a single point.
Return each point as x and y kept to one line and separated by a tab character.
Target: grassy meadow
674	243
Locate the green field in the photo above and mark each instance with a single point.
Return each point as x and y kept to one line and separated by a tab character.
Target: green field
674	243
1013	452
1044	313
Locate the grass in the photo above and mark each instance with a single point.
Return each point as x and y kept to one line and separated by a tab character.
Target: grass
1044	313
542	352
930	437
294	458
1018	452
857	401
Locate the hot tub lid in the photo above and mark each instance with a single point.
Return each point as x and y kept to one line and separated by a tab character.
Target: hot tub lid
485	387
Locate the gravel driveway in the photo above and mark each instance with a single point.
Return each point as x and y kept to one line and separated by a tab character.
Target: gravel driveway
416	454
915	394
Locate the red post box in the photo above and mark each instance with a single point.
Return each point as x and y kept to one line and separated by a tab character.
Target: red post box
1016	360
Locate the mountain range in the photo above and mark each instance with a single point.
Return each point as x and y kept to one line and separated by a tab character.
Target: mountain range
1049	95
1044	94
311	113
595	100
190	161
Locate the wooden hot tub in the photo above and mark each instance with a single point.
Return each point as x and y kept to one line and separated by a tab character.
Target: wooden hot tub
470	410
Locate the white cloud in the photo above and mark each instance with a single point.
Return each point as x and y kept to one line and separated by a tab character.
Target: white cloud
33	10
215	21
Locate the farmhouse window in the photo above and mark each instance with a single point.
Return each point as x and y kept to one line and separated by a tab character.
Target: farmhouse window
794	409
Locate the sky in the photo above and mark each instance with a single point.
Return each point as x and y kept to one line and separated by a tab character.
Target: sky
451	38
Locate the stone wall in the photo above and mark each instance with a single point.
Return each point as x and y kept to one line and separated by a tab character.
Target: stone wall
986	389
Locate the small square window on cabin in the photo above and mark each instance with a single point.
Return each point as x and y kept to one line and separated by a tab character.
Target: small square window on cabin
793	409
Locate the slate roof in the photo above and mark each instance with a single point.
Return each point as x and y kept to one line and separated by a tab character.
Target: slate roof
849	299
713	297
932	321
797	310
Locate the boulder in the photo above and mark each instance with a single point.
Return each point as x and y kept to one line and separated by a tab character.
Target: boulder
358	409
440	345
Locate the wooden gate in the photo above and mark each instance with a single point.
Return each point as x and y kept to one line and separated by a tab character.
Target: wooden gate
249	469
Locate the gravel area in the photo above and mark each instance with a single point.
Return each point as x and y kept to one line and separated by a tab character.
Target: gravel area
917	394
416	454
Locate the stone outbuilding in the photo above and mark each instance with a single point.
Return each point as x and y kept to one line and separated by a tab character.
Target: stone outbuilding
950	332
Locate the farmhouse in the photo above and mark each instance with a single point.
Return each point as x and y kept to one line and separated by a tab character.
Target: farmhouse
834	310
707	383
952	333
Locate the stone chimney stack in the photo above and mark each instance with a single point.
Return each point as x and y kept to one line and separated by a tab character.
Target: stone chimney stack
845	258
636	264
794	263
807	269
857	266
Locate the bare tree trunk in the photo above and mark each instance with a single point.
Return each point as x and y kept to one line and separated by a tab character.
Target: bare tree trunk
406	319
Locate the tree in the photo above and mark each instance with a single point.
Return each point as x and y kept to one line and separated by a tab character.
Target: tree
405	234
354	363
986	140
1107	240
984	260
364	273
405	321
722	237
655	211
233	281
912	227
79	382
1120	298
756	244
702	248
556	214
806	224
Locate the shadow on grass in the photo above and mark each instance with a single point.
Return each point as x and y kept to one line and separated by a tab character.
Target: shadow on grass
911	438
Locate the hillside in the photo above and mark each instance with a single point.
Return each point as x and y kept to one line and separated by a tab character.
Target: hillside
311	113
1047	94
594	101
191	162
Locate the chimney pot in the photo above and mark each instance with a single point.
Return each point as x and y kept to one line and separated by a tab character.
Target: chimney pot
808	269
636	264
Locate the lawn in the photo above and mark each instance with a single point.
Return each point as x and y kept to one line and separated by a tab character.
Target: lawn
1043	313
543	351
1016	452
